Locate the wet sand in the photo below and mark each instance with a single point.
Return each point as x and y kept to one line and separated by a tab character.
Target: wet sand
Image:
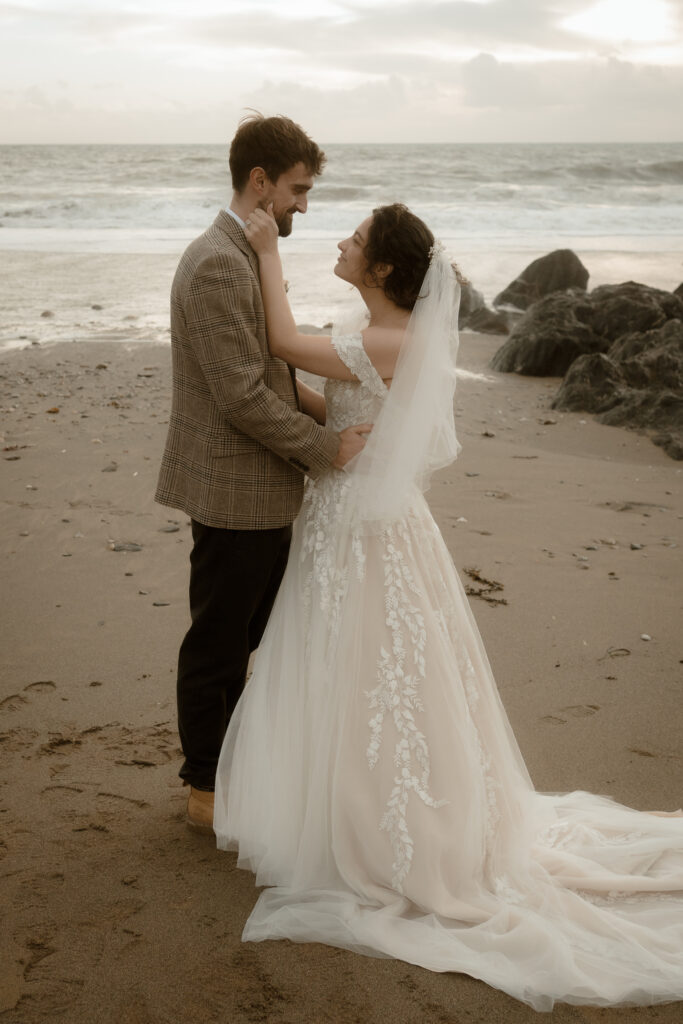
116	911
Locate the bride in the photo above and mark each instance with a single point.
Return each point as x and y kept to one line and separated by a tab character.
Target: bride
369	776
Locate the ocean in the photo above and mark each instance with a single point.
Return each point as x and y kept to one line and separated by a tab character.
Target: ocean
73	211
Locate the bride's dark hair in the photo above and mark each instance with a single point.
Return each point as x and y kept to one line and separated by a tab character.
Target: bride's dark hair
398	238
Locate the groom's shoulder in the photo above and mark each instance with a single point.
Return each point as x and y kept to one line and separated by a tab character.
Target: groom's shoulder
214	250
223	240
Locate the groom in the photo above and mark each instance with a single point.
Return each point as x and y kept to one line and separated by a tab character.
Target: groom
238	447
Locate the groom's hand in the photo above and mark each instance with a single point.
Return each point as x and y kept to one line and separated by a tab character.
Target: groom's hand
351	443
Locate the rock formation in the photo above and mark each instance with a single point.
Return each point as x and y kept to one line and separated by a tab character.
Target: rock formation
555	272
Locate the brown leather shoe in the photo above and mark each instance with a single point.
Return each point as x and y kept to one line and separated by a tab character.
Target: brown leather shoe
200	811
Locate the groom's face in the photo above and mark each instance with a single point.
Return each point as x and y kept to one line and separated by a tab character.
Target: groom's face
289	195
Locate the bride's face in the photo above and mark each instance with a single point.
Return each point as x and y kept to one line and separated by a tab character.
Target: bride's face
352	264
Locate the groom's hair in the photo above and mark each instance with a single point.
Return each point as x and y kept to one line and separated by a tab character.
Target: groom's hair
274	143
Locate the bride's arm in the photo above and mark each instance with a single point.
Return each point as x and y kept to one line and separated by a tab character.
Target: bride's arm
314	353
312	402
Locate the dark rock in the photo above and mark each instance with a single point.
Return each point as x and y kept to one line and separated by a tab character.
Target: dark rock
679	291
555	272
652	359
475	316
637	384
621	348
487	321
620	309
641	409
673	446
549	337
593	384
470	301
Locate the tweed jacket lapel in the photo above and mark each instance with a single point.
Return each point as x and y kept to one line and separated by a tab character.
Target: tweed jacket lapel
224	222
227	224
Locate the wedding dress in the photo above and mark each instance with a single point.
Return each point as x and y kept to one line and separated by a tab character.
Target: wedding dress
371	779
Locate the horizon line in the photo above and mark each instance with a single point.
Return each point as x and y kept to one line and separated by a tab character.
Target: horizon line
479	142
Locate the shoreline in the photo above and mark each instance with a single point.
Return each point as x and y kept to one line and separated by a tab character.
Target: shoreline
66	296
119	913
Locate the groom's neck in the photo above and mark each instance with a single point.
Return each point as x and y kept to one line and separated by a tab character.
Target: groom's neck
243	204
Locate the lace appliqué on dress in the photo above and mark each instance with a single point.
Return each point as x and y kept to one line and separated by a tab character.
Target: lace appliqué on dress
349	348
400	673
326	570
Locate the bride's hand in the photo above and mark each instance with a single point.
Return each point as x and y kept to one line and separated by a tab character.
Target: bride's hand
262	231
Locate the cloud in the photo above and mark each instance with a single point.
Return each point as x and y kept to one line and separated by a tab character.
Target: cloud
484	100
429	70
362	32
531	26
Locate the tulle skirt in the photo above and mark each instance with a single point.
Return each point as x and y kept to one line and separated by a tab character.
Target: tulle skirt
370	778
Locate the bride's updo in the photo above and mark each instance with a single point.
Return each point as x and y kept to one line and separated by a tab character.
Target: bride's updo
397	237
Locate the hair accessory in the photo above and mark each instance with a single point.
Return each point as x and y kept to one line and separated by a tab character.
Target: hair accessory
436	249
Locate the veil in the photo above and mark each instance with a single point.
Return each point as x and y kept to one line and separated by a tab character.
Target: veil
414	434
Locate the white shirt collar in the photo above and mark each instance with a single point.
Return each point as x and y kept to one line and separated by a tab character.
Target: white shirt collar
235	216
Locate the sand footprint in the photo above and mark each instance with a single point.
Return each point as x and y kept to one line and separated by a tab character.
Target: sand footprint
41	686
17	739
59	743
581	710
70	789
126	799
17	700
13	702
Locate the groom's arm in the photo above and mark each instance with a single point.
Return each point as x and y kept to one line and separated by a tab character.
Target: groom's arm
221	322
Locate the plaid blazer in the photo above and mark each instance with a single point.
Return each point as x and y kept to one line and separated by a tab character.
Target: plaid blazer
238	445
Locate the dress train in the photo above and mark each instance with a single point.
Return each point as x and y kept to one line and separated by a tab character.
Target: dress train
370	779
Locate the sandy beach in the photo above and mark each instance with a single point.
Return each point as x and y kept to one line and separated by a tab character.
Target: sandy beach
116	912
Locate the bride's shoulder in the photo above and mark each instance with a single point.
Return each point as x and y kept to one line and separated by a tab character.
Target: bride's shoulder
382	340
382	346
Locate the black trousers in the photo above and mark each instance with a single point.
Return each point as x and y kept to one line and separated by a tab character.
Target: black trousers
234	577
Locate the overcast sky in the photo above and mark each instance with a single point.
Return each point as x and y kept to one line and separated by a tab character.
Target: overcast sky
347	70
